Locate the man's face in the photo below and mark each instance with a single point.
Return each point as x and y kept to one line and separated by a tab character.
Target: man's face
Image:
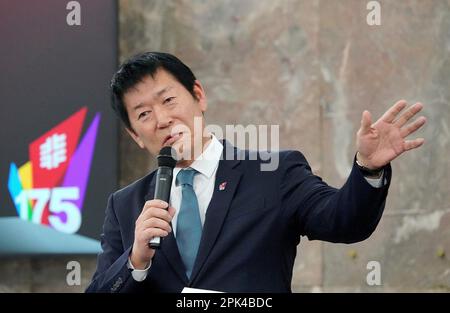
162	111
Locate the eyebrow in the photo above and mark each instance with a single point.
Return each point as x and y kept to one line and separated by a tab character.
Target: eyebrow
157	95
162	91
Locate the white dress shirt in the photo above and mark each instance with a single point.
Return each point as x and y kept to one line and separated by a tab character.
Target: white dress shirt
206	165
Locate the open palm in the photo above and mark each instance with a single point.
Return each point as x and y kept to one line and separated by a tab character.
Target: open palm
381	142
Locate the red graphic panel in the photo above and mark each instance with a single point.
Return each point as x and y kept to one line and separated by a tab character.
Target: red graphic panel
50	154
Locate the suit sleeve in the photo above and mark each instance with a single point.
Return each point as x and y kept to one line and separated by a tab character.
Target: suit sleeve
346	215
112	274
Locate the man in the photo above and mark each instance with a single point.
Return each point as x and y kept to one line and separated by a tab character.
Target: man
229	225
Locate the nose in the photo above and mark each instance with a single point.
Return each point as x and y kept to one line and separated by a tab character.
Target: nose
163	118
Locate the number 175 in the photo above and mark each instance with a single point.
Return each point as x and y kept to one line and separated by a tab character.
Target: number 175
59	203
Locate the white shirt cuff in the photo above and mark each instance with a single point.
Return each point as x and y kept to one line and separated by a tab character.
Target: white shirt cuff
138	275
377	182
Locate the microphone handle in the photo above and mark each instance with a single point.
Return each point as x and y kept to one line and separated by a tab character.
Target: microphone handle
162	192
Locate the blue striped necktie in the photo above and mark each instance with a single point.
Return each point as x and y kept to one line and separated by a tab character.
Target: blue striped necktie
189	225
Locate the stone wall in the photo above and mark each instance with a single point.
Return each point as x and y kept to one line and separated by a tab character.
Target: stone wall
312	67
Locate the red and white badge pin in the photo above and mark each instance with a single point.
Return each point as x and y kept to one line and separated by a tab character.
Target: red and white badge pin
222	186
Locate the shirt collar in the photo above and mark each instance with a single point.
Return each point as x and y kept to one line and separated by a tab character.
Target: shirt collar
207	162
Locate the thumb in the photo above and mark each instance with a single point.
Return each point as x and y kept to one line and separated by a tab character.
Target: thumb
172	211
366	122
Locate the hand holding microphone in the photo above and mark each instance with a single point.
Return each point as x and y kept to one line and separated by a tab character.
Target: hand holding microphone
154	221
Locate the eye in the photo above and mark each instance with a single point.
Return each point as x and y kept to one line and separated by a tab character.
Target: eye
143	114
169	100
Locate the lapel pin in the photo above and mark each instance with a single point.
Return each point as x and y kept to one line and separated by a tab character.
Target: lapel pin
222	186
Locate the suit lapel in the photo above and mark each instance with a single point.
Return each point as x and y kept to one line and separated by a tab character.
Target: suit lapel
169	245
215	215
218	207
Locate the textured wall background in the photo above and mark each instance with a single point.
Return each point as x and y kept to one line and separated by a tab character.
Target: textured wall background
312	67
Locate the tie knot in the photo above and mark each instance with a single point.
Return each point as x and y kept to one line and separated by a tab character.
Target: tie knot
186	177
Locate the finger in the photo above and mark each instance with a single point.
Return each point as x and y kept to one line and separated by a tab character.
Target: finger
366	122
390	114
405	117
150	233
155	212
410	128
413	144
155	223
172	211
155	203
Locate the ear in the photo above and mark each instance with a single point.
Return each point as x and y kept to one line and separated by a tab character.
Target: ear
200	96
135	137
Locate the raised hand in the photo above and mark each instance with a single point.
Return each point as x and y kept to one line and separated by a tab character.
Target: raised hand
381	142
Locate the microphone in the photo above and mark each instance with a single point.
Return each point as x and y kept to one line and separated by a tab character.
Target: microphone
166	163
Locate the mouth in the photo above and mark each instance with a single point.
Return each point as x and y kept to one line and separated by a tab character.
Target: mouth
169	140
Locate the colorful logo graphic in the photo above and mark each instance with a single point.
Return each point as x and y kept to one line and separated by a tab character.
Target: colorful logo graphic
49	189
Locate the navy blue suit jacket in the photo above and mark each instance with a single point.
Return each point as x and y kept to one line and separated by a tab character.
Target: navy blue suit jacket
251	229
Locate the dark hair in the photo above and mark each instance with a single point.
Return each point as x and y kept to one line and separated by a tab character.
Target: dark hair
132	71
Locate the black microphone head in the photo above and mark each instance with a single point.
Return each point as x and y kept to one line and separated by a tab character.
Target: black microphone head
167	157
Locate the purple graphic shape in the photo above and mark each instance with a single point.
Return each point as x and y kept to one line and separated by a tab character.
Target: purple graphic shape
77	173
